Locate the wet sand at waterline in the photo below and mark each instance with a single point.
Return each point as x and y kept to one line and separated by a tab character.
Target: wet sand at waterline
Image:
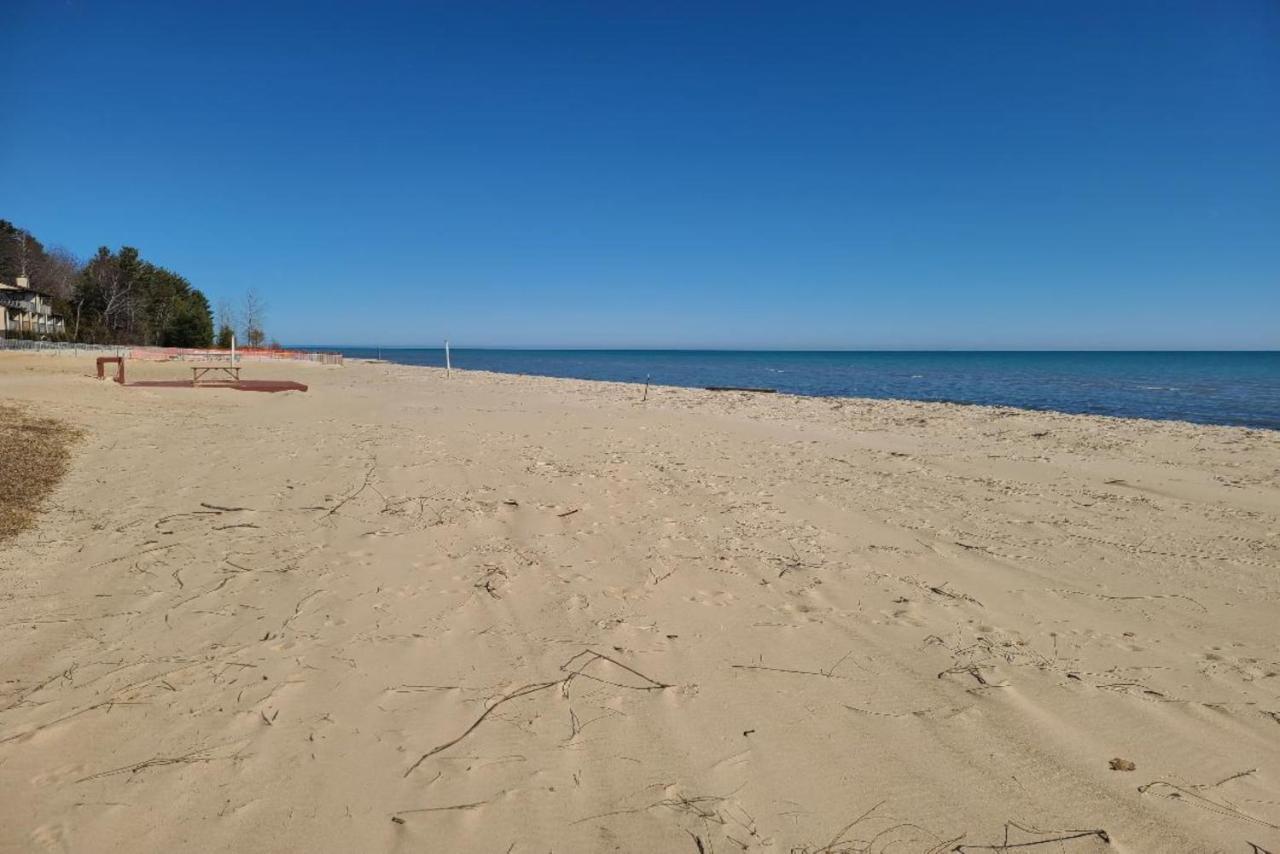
401	611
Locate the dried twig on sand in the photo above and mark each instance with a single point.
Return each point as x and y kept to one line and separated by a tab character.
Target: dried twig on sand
974	670
709	809
297	609
1173	791
829	672
841	843
524	691
1236	776
1052	837
194	756
941	590
830	846
488	582
163	519
396	816
574	668
368	479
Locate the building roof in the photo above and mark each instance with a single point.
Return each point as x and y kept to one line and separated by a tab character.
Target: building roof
13	298
10	290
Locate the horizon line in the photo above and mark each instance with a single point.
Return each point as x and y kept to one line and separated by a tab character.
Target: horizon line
579	349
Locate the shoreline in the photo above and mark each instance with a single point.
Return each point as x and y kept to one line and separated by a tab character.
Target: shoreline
943	406
995	410
1266	417
496	610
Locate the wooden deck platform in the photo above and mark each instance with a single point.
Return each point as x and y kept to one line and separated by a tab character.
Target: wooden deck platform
238	385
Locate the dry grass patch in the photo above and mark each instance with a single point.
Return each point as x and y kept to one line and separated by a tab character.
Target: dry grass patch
34	453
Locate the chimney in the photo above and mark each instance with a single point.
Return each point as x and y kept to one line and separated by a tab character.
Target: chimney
24	283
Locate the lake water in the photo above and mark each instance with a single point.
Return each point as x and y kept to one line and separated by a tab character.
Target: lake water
1210	388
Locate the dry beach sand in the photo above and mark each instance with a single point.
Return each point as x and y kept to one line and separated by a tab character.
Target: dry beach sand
401	612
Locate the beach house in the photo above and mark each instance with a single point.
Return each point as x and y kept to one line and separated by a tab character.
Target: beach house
27	313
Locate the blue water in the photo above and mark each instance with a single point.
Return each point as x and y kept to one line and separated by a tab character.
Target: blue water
1209	388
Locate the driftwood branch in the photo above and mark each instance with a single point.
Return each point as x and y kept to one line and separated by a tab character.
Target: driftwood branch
572	668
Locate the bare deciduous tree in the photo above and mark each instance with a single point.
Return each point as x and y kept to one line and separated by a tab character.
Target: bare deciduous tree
226	314
225	328
114	287
253	311
23	239
59	271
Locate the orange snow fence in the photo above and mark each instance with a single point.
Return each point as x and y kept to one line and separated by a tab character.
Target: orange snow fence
180	354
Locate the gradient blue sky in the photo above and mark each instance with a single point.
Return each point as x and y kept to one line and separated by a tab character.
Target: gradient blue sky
847	175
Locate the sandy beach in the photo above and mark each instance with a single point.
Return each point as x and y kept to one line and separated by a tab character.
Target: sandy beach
406	612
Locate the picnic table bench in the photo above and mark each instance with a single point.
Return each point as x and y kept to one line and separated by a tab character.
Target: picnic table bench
221	373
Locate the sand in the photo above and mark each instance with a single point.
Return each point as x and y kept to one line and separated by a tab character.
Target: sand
710	622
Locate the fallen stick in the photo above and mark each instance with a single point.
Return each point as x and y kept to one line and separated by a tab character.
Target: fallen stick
368	476
654	684
941	590
1082	834
1187	796
829	672
155	762
835	839
521	692
535	687
396	816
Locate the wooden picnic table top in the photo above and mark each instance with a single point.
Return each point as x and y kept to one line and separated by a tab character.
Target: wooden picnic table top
200	372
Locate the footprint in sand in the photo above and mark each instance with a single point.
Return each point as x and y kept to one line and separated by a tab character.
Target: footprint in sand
51	837
717	598
61	774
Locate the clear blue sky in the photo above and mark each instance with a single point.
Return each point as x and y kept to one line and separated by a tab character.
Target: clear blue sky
846	175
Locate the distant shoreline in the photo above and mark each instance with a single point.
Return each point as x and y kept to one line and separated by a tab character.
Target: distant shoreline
892	351
1233	388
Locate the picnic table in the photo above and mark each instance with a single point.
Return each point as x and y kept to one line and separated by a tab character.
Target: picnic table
221	373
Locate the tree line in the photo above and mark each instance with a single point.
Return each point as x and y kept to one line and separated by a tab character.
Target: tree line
118	297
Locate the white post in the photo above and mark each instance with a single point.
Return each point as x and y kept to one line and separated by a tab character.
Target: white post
233	349
448	364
